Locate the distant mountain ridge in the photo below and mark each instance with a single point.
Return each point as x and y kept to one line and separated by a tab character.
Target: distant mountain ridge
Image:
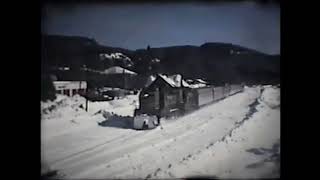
216	62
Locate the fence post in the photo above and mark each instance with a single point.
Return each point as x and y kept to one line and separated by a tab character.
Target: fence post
86	93
86	104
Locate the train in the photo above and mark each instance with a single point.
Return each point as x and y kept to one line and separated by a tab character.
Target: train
162	99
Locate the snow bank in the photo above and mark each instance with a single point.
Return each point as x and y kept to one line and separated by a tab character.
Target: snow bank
68	129
62	105
271	96
65	105
124	106
67	114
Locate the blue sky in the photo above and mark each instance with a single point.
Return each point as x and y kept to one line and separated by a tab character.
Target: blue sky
135	26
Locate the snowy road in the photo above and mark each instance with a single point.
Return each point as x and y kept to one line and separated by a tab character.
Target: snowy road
234	137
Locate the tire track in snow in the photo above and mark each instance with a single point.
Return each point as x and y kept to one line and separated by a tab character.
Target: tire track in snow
252	110
122	135
98	145
91	152
199	128
167	138
110	156
90	148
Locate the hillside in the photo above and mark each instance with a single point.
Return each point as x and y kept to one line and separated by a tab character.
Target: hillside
216	62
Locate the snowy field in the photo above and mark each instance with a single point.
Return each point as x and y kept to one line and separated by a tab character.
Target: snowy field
238	137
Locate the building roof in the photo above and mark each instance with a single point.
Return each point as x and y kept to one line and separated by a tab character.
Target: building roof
177	81
173	80
69	84
202	81
118	70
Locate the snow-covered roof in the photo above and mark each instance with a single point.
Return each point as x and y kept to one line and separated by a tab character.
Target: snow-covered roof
117	56
118	70
174	80
177	81
197	85
201	81
59	85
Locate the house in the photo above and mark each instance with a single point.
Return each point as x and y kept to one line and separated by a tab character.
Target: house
168	95
118	70
119	77
161	95
70	88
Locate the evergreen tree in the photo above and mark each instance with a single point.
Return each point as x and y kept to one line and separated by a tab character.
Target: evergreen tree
47	88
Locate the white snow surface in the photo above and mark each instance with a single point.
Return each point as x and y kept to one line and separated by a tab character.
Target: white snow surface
237	137
271	96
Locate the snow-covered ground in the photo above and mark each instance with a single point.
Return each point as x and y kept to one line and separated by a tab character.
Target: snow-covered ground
238	137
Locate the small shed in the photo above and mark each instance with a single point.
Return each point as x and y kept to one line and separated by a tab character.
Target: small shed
163	96
171	95
119	77
168	95
70	88
118	70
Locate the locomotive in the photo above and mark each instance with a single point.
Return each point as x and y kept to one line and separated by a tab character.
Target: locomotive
169	96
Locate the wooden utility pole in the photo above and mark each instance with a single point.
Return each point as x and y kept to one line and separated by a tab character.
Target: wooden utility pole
86	91
86	103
